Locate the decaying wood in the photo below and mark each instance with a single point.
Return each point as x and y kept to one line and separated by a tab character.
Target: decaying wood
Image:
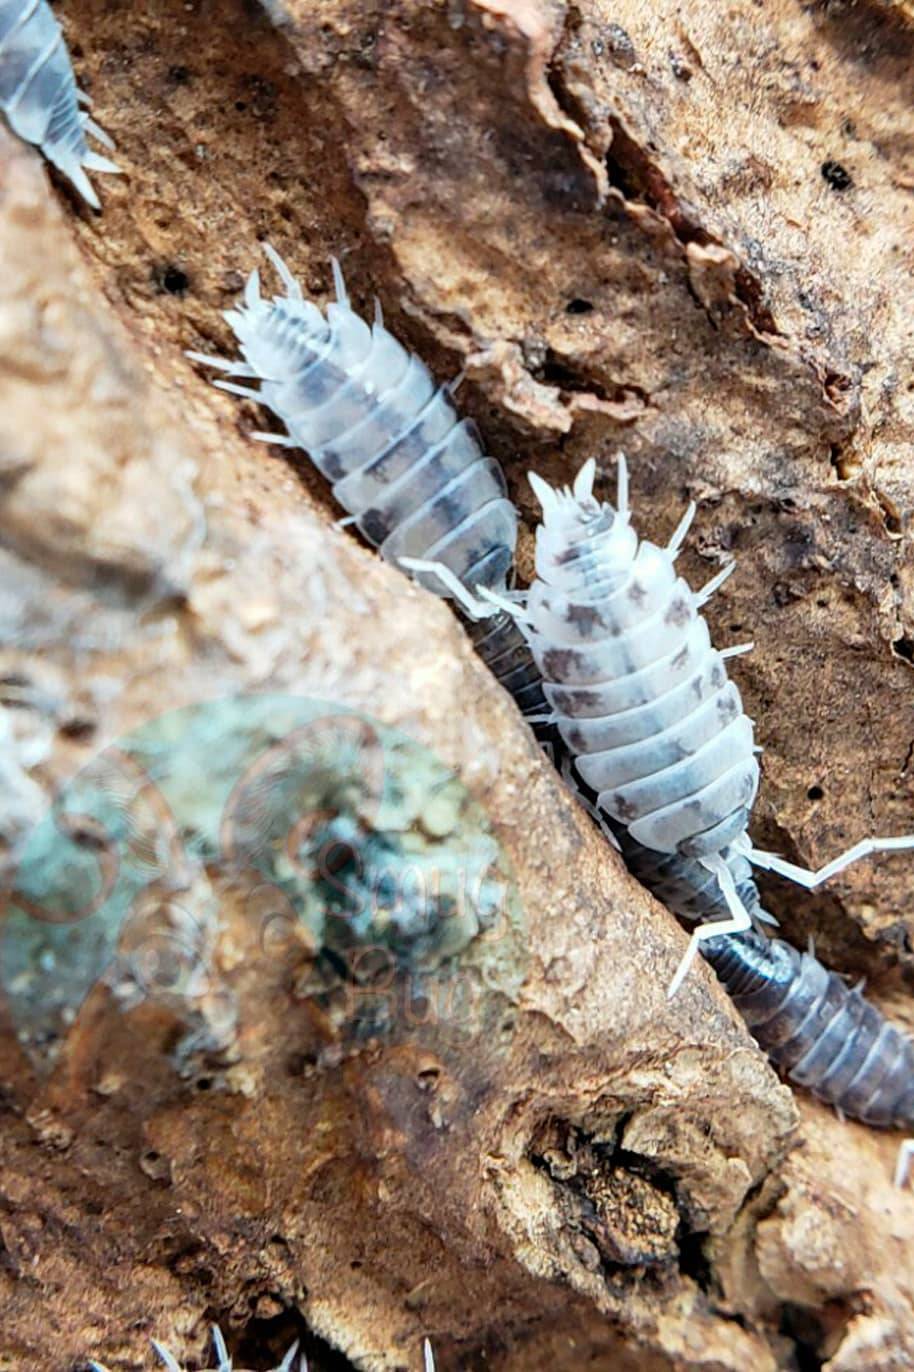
683	232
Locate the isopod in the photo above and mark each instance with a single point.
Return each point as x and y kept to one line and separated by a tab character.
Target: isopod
39	95
818	1029
643	702
412	475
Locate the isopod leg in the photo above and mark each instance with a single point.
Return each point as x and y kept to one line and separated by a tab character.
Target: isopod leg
508	601
903	1165
170	1363
566	772
770	862
475	608
739	922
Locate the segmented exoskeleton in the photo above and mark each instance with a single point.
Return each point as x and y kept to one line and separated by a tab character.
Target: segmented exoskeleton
39	95
643	703
686	887
818	1029
412	474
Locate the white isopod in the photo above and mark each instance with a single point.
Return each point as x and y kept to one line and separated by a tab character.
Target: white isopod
412	475
39	95
641	697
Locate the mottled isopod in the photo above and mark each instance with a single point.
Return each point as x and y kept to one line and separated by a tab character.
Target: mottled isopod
412	474
643	703
620	701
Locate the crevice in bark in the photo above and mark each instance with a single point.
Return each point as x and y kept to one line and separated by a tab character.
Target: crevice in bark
637	177
554	371
264	1340
808	1335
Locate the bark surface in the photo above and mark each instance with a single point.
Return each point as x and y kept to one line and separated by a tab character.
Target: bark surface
684	234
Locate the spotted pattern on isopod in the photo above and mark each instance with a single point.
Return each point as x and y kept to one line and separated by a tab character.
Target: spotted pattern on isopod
410	472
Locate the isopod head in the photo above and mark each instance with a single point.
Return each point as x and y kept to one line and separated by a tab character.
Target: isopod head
279	338
582	542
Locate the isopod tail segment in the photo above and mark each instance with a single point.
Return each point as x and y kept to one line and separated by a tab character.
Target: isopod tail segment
740	920
485	604
40	98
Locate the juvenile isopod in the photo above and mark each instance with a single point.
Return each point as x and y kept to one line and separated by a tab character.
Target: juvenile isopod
411	474
39	95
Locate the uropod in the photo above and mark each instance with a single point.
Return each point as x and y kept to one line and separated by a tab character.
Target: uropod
39	95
